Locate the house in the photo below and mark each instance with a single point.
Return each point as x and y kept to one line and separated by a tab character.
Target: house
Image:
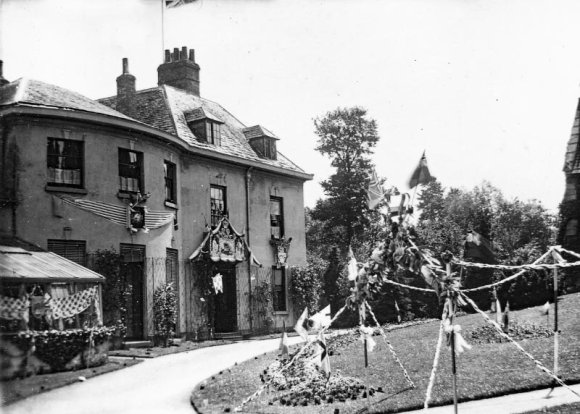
570	207
184	191
568	235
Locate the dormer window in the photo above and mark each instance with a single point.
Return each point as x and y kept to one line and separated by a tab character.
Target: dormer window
262	141
205	127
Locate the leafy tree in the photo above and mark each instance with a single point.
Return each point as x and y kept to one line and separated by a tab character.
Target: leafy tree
347	136
519	232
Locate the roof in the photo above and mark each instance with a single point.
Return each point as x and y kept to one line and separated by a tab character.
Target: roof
31	92
572	161
19	264
168	108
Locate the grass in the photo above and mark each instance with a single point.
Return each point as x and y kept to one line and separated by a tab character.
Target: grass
486	370
18	389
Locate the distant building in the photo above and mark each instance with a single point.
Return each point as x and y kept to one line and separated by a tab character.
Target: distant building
172	181
568	235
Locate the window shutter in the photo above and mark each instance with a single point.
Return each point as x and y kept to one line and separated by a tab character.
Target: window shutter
74	250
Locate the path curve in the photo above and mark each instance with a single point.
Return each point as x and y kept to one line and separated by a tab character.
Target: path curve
159	385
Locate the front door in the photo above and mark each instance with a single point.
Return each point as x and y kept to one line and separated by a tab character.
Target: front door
226	315
133	257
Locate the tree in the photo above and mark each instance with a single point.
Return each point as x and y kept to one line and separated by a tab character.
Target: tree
519	232
347	137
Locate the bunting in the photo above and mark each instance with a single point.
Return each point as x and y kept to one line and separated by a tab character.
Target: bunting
74	304
14	308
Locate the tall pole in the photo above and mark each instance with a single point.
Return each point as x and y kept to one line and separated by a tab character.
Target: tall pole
453	364
555	271
451	308
162	30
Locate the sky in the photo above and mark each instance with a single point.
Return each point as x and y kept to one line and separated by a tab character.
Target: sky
488	88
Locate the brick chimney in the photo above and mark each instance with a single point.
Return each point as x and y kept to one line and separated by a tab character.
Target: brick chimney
180	70
2	80
126	91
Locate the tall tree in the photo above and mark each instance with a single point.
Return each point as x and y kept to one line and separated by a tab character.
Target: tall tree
347	136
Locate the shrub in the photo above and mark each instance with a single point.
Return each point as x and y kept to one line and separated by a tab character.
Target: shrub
59	348
518	331
116	290
165	312
306	286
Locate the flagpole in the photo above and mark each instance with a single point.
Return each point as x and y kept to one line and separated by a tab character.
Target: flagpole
162	30
555	271
452	336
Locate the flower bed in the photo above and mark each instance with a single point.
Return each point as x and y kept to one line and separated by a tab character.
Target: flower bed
32	352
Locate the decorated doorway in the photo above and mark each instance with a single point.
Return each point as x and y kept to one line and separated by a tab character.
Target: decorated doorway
225	309
216	258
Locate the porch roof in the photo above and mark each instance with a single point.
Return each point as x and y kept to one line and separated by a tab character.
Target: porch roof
21	265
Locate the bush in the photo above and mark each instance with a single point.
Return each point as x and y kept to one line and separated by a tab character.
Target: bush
487	334
165	312
116	290
58	348
306	286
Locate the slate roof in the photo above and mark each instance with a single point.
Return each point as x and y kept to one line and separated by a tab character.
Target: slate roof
572	160
31	92
167	108
163	107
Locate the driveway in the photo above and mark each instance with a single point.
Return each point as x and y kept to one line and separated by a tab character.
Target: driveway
160	385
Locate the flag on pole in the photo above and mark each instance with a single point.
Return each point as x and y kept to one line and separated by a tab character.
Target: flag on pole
321	319
506	317
352	265
299	327
324	359
375	192
176	3
421	175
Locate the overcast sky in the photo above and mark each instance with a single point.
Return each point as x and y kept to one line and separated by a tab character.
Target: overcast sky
488	88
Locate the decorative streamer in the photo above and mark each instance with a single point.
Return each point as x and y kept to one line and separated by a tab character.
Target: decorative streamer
384	335
308	344
509	338
434	369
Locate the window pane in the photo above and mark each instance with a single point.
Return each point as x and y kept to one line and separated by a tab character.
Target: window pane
217	203
130	168
64	162
276	218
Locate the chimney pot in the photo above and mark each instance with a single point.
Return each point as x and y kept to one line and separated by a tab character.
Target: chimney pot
2	80
167	56
125	66
181	71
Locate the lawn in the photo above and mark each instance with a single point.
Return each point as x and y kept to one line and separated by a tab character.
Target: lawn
490	369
